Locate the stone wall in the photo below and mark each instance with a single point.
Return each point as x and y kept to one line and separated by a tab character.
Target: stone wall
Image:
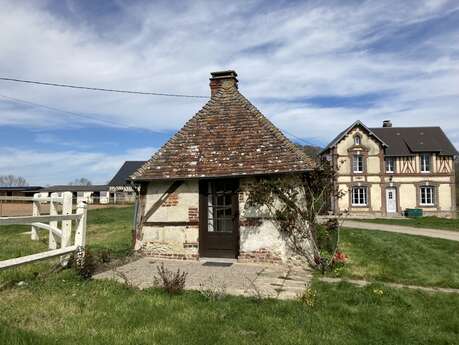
173	230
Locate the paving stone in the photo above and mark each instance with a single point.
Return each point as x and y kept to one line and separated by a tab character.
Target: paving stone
270	280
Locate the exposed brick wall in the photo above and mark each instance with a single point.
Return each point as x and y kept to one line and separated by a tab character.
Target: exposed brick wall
193	214
172	200
261	256
172	256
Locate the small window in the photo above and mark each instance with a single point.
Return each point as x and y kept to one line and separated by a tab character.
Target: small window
359	196
80	194
390	165
425	162
427	196
357	163
357	140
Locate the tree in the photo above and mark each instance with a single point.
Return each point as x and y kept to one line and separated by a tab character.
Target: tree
310	150
13	181
80	182
293	204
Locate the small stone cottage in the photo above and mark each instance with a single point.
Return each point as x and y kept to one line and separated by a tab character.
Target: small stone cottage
194	189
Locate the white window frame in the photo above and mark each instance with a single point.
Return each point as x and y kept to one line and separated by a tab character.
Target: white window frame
359	196
358	163
425	162
424	195
357	140
391	165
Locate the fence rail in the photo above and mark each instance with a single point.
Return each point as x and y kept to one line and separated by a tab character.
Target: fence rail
57	236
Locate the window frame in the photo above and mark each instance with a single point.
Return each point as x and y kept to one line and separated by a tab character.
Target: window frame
425	161
386	160
357	140
354	165
422	190
362	194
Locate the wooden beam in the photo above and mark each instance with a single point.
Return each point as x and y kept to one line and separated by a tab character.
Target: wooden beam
163	224
36	257
30	198
37	219
172	188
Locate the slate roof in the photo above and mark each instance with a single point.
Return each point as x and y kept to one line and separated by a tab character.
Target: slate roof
405	141
68	188
21	188
127	169
343	133
227	137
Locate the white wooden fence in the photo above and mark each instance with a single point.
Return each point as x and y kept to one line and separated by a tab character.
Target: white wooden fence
59	239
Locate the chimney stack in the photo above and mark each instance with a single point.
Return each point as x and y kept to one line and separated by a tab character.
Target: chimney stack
221	79
387	123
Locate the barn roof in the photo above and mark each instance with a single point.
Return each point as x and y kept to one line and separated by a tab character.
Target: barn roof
122	176
228	137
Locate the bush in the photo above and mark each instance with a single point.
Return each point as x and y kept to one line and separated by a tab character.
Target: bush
172	283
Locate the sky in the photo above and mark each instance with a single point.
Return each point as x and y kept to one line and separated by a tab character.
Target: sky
312	67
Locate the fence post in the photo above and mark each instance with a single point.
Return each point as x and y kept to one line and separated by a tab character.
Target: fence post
35	212
52	243
80	232
66	224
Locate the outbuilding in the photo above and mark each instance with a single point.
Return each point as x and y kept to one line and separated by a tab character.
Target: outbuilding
193	191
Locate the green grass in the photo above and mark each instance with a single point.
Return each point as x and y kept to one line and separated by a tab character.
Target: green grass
400	258
109	230
60	308
423	222
64	310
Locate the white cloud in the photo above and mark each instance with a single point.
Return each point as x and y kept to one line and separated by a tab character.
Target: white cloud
295	51
40	167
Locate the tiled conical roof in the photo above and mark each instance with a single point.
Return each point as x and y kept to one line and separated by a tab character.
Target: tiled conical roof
227	137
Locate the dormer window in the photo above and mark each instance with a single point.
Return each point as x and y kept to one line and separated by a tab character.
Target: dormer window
357	140
425	163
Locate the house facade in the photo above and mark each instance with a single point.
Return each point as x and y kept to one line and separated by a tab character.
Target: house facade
193	191
384	171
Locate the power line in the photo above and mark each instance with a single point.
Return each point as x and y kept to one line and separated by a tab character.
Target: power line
100	89
83	116
109	122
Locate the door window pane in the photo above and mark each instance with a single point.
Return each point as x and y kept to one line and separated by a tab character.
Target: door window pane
220	208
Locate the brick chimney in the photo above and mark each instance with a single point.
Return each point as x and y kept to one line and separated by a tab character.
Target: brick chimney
226	79
387	123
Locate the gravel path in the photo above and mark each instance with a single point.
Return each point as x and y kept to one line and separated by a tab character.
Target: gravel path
435	233
392	285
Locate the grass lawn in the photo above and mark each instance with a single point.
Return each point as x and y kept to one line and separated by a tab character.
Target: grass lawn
109	231
64	310
400	258
423	222
60	308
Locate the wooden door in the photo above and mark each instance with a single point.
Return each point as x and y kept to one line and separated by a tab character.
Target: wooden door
219	218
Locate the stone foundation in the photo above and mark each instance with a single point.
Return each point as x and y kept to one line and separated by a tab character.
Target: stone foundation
260	256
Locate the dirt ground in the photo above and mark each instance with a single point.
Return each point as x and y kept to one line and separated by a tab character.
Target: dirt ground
8	209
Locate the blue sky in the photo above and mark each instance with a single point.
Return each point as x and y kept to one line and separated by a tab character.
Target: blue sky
312	67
